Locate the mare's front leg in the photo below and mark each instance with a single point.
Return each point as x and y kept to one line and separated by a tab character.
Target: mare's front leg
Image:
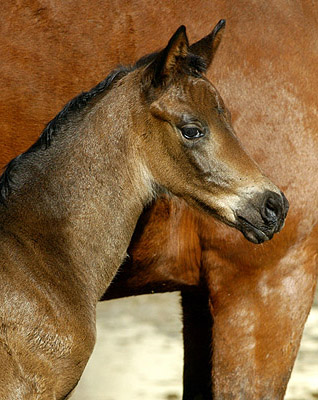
259	303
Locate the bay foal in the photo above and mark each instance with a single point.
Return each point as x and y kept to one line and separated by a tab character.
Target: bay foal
266	71
69	204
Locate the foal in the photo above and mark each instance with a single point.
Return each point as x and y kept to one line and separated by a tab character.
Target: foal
69	205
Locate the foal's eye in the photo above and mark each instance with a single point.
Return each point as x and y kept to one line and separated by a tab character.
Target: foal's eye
191	133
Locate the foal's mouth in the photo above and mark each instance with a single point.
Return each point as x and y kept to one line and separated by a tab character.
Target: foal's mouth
269	219
252	233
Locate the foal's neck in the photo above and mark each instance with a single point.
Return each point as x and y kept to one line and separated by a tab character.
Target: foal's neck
81	197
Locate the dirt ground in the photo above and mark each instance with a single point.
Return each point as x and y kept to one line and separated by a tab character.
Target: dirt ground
138	355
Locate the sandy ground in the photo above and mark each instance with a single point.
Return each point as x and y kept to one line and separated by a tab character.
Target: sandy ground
139	356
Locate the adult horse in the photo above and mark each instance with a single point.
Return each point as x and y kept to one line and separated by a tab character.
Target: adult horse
259	297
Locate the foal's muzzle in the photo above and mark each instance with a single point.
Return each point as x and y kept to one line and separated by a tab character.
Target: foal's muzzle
263	216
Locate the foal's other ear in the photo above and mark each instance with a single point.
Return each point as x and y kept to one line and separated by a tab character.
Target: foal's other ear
169	60
207	46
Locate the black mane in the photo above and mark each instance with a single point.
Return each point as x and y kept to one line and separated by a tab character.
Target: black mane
194	66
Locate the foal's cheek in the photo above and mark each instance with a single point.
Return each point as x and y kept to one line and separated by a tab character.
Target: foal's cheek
199	160
208	169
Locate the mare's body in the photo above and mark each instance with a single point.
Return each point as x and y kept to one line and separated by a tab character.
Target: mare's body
265	69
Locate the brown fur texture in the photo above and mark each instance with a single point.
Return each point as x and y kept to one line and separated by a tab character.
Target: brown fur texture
259	296
69	205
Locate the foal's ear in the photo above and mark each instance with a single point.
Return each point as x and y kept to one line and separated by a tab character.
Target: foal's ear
170	59
207	46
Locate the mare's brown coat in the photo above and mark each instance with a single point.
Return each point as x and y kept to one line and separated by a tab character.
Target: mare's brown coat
266	71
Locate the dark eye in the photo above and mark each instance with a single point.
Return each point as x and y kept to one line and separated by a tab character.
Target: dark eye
191	132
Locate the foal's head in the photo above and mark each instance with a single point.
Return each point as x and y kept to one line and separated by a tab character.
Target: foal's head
190	146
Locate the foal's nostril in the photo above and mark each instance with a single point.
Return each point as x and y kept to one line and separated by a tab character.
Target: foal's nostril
285	205
272	209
